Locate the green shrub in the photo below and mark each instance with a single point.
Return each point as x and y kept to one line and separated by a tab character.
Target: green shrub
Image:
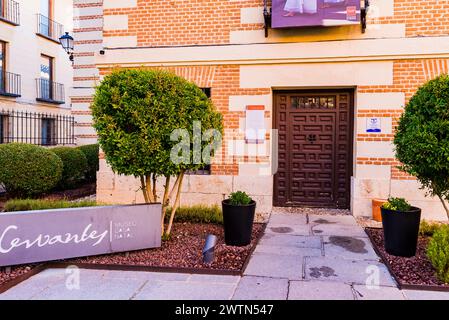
397	204
198	214
28	170
239	198
438	252
427	229
422	138
32	204
93	164
74	167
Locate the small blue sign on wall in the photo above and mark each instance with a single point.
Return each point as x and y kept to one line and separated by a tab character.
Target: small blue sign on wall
373	125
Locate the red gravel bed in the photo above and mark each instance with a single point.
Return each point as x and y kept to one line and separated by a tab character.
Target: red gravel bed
12	273
415	271
184	251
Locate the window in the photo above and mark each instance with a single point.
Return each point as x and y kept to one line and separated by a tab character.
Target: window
46	8
48	133
44	23
49	91
318	102
46	26
9	12
207	92
10	83
3	128
46	78
2	66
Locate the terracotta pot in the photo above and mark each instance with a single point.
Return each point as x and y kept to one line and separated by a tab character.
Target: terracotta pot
377	203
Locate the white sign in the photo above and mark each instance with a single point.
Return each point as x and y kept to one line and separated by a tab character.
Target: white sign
255	129
373	125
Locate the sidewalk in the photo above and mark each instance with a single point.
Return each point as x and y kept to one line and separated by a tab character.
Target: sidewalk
299	257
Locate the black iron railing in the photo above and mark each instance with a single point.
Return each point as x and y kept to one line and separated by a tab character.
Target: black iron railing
49	91
49	28
36	128
10	84
10	11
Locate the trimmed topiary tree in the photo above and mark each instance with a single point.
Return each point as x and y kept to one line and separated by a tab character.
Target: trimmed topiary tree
74	167
422	138
145	121
27	170
93	164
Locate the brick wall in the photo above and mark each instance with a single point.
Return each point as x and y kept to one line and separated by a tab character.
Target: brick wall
408	76
182	22
205	22
115	24
201	22
421	17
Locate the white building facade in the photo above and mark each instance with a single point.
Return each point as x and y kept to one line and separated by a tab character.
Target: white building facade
36	73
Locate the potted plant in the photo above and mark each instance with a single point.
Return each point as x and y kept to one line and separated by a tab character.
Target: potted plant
401	226
238	218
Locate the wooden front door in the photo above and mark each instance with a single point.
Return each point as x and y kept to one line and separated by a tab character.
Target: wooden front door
315	148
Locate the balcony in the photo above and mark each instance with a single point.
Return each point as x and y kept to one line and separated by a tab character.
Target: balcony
49	29
10	84
10	12
50	92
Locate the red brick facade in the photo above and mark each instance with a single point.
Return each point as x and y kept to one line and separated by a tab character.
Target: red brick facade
183	22
208	25
186	22
421	17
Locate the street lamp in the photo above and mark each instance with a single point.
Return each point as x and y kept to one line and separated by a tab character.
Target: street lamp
66	41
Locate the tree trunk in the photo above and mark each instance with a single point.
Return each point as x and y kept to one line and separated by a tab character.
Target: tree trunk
154	187
165	201
176	204
144	189
175	186
148	188
444	205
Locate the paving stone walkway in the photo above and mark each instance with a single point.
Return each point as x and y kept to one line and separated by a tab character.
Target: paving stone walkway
299	257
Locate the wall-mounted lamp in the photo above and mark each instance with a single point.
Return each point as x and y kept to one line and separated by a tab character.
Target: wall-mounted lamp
364	13
66	41
266	17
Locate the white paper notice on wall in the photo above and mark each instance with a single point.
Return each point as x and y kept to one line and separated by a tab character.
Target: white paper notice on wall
255	129
373	125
